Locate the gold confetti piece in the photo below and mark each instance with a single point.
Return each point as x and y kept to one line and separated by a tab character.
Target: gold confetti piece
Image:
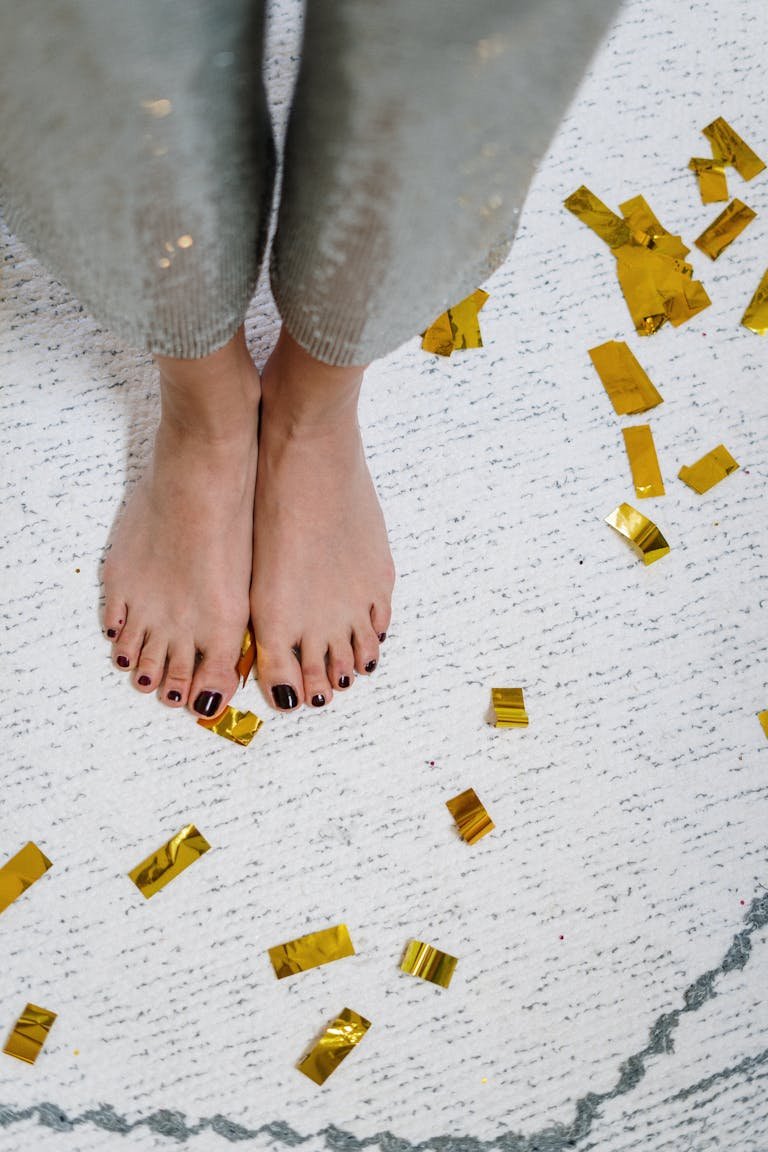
247	655
508	708
641	532
428	963
169	860
763	718
648	231
458	328
29	1033
708	471
240	727
628	386
710	173
337	1041
727	143
723	231
471	817
311	951
643	461
598	216
20	873
756	316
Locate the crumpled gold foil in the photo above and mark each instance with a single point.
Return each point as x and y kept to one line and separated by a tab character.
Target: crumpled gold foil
428	963
763	718
247	655
709	470
169	860
710	173
508	708
656	281
628	386
641	450
472	819
723	231
311	951
240	727
756	316
641	532
21	872
458	328
337	1041
29	1033
726	142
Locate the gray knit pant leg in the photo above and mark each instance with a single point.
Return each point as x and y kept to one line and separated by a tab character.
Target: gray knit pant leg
415	131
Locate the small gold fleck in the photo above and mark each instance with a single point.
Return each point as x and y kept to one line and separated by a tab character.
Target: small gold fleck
185	241
164	262
168	246
157	108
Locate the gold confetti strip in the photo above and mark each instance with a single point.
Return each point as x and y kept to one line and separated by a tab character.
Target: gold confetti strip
458	328
311	951
428	963
472	819
710	173
708	471
628	386
763	718
29	1033
247	655
641	532
643	460
169	860
20	873
599	217
648	231
727	143
337	1041
756	316
723	231
508	708
240	727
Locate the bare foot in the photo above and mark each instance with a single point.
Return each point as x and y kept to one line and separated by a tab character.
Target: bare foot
322	570
177	575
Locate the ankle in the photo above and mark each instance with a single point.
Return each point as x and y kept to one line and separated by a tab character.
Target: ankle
213	398
302	393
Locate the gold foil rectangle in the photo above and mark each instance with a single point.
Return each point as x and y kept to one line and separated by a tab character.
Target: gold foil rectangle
726	142
29	1033
240	727
709	470
21	872
311	951
598	216
643	461
648	231
458	328
723	231
508	708
628	386
428	963
168	861
247	655
337	1041
472	819
641	532
756	316
710	173
763	718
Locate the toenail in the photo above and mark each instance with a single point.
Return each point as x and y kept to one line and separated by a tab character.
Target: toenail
318	700
284	696
382	637
175	696
145	680
207	703
370	666
111	632
123	661
343	681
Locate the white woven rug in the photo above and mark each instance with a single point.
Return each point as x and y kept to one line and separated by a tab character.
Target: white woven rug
610	992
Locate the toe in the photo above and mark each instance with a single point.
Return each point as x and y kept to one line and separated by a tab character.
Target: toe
151	664
115	613
381	614
365	643
215	680
317	689
341	663
279	673
127	648
178	678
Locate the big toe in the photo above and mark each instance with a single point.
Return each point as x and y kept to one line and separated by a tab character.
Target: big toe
215	680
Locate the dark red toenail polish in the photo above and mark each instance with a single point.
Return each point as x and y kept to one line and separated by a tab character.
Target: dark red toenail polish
318	700
343	681
145	680
207	703
123	661
111	632
382	637
284	696
370	666
175	696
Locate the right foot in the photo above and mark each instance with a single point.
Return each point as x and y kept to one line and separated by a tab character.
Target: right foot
177	575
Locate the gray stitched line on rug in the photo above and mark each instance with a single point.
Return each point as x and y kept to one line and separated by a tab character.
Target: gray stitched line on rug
557	1138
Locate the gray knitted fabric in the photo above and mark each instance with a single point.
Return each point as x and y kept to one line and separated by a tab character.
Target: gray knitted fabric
136	158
